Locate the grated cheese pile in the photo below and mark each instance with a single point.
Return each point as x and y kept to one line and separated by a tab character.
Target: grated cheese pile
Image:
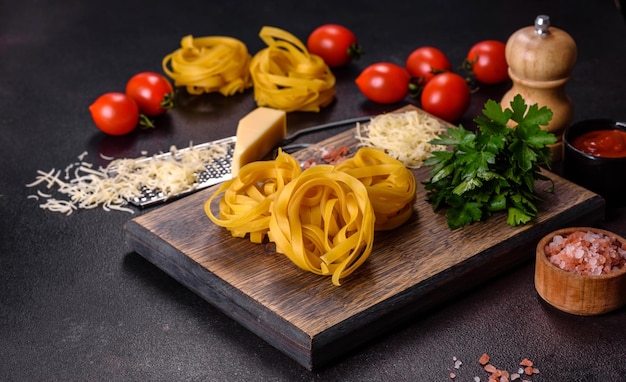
404	136
85	187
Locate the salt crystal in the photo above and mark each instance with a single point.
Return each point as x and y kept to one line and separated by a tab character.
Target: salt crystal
590	236
579	253
593	261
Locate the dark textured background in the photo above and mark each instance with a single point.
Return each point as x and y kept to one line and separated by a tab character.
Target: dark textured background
77	304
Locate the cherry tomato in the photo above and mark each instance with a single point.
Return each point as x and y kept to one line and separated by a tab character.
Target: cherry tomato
487	61
115	113
384	82
336	44
425	62
152	92
446	96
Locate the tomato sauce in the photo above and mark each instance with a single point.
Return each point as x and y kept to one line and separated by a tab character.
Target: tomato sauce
608	143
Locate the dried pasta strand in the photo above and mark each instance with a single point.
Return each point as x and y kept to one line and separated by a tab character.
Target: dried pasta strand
390	185
287	77
338	243
245	204
210	64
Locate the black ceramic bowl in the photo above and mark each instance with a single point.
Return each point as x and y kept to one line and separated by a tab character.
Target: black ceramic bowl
602	175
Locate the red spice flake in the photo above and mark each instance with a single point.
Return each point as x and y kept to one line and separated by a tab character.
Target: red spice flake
309	163
452	375
587	253
528	370
328	155
334	156
484	359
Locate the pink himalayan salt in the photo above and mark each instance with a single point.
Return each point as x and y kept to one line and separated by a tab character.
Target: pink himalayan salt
586	253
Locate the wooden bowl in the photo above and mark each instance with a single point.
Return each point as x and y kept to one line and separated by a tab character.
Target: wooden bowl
571	292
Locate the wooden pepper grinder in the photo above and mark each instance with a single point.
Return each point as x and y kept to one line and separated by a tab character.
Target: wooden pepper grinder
541	59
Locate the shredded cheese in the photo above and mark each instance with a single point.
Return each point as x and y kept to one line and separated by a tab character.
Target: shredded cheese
287	77
405	136
111	187
210	64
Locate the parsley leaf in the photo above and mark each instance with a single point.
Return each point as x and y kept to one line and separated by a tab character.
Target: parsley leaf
493	169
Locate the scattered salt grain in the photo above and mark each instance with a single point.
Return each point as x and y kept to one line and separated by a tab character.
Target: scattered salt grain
484	359
498	375
526	362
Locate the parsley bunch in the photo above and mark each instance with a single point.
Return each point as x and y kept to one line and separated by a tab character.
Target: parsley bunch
494	169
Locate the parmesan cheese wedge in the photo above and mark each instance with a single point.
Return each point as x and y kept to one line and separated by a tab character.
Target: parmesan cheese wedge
257	134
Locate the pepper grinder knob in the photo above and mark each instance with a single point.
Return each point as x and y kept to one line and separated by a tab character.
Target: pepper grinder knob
541	59
542	25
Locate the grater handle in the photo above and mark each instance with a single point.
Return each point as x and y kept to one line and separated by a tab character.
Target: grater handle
290	138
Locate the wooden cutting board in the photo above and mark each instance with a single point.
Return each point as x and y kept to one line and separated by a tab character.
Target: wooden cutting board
412	269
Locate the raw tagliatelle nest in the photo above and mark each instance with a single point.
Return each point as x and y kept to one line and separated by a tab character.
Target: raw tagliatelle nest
210	64
287	77
404	136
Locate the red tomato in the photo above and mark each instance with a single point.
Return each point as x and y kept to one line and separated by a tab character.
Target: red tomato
336	44
446	96
152	92
425	62
487	61
384	82
115	113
